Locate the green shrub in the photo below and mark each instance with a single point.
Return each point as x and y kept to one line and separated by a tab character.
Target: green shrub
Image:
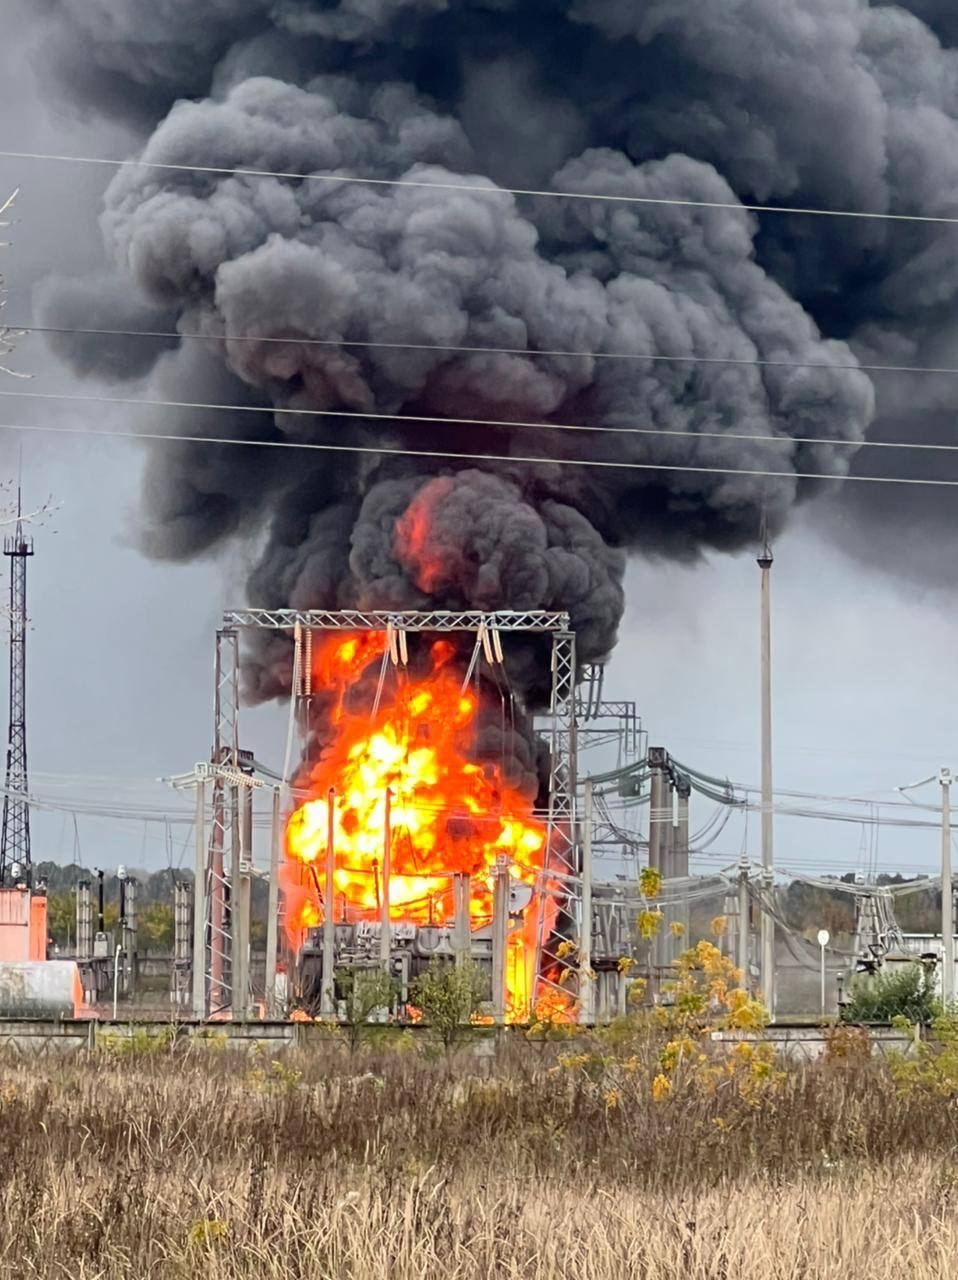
906	992
449	997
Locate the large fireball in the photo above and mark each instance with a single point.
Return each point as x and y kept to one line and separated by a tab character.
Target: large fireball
448	813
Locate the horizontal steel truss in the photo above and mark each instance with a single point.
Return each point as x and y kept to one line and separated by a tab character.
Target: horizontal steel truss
403	620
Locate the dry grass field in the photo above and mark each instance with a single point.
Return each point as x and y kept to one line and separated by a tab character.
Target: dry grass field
407	1165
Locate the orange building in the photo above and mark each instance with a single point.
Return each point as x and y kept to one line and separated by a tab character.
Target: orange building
23	925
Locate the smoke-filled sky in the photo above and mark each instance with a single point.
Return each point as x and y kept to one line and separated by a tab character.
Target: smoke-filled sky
820	103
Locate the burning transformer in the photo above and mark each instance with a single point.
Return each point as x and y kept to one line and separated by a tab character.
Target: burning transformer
412	948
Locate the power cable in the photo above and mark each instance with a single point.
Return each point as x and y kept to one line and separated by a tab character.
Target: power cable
481	186
544	353
174	438
439	420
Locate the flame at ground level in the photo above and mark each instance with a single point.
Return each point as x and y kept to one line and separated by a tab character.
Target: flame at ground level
447	813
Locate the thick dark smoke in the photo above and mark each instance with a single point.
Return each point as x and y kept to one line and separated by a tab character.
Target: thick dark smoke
811	103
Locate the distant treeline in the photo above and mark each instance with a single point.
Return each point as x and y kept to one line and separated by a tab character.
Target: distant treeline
806	907
809	906
154	902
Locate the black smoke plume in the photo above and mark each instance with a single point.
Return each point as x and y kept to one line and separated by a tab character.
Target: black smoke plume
812	103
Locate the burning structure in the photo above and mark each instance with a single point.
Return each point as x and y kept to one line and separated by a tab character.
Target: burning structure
422	826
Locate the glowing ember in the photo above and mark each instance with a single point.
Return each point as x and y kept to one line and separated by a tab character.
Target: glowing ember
448	814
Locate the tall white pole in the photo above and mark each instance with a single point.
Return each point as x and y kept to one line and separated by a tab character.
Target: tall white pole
768	847
947	900
199	906
586	979
823	940
327	1004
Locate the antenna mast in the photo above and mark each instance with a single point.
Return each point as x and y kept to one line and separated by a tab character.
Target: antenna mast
15	862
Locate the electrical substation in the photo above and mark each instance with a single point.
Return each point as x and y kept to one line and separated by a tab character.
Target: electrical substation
572	931
377	870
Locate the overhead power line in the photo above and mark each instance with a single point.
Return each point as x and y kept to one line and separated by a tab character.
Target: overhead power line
538	353
481	187
399	419
171	437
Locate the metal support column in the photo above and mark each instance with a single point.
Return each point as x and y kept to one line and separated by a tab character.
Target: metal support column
241	904
15	856
561	822
222	848
562	778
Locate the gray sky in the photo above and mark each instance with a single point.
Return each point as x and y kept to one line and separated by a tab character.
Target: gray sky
120	658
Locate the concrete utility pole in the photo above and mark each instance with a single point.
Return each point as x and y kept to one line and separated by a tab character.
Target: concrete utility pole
765	561
947	900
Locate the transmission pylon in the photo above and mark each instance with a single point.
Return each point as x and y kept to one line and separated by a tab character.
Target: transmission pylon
15	859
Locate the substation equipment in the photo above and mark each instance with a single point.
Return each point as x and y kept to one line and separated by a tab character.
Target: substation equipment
592	922
220	983
107	958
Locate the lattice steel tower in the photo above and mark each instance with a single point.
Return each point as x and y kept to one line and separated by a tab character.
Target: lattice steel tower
15	841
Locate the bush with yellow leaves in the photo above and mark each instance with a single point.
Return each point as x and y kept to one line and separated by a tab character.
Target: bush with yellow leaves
932	1067
650	882
668	1050
649	923
553	1018
708	995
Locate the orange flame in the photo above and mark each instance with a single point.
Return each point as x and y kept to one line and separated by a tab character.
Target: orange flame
448	814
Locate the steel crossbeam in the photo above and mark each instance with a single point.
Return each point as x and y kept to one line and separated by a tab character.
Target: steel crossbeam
402	620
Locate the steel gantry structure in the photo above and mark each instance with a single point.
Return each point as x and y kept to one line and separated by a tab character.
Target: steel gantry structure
228	851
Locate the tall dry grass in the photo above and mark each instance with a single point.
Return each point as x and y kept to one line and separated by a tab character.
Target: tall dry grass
407	1167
